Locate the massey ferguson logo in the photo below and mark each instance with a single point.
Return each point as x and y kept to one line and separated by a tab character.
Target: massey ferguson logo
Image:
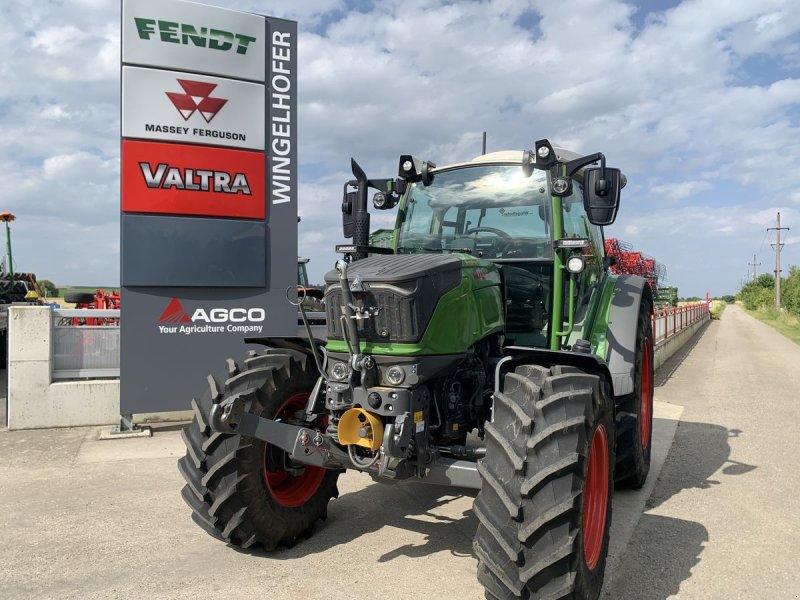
197	98
214	320
166	177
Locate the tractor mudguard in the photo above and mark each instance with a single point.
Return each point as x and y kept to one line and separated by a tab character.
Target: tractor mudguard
629	291
517	355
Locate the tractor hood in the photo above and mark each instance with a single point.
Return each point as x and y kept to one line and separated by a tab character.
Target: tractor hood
418	303
401	267
404	290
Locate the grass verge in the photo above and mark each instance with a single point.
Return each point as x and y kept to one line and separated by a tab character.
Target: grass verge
781	321
717	308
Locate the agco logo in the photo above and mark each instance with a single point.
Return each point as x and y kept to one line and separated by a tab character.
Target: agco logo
196	98
185	34
175	319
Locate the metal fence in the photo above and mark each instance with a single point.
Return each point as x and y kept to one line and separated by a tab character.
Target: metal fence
669	321
85	344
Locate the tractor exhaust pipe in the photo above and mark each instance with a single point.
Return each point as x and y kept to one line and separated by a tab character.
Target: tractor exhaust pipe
360	211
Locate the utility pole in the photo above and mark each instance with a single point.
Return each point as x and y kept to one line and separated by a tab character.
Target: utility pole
7	217
777	245
754	264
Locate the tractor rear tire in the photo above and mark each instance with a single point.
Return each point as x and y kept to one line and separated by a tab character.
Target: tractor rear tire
544	508
635	411
236	486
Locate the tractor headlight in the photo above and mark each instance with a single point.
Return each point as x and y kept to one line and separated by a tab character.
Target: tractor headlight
383	201
575	264
407	166
379	200
395	375
340	371
543	151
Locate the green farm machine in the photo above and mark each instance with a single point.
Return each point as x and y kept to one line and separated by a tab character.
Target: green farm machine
487	347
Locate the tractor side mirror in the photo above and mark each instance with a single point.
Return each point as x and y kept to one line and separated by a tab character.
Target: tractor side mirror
348	222
601	190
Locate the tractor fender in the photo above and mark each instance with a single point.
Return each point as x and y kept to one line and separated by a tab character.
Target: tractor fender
623	317
518	355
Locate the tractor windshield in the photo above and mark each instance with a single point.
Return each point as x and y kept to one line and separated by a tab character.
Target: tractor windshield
489	211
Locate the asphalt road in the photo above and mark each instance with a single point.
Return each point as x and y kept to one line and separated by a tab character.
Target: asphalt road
82	518
724	518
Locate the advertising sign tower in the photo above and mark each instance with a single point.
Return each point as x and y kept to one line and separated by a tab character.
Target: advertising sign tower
208	193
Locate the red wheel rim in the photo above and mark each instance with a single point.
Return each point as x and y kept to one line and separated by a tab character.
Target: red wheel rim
646	401
292	490
595	498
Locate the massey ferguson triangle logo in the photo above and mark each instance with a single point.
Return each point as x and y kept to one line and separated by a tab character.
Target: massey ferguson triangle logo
196	98
174	313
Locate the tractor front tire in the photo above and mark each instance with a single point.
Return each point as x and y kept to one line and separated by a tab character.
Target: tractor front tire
634	412
544	508
236	487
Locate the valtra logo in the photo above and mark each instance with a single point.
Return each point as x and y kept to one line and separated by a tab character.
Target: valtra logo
176	320
196	98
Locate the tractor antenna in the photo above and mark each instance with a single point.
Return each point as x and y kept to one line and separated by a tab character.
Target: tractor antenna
483	149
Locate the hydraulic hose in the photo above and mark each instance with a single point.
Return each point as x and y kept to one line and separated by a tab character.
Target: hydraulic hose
351	330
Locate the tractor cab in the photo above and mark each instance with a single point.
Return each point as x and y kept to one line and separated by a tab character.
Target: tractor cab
491	209
525	214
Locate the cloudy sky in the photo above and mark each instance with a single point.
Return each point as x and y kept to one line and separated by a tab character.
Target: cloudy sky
697	101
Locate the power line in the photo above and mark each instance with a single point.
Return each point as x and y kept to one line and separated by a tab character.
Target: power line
764	239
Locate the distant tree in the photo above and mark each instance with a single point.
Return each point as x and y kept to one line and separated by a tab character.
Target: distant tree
48	287
759	293
790	291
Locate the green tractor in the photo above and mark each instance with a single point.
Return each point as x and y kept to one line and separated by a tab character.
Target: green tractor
488	347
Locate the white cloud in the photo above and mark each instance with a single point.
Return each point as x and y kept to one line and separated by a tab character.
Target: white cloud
679	190
672	103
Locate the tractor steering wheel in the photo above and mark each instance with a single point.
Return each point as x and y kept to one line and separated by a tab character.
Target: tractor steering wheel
501	247
494	230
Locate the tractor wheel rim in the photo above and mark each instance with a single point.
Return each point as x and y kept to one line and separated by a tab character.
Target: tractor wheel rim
595	498
646	396
291	491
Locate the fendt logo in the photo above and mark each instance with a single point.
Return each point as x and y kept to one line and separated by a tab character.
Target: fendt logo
185	34
197	98
214	320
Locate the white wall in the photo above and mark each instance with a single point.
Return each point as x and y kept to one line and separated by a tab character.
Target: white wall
33	399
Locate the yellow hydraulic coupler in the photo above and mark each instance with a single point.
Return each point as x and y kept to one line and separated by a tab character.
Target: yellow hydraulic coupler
361	428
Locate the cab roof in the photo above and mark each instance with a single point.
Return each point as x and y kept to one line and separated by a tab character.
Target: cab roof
513	157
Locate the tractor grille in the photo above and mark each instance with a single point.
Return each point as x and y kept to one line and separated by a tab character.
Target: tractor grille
398	318
404	288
